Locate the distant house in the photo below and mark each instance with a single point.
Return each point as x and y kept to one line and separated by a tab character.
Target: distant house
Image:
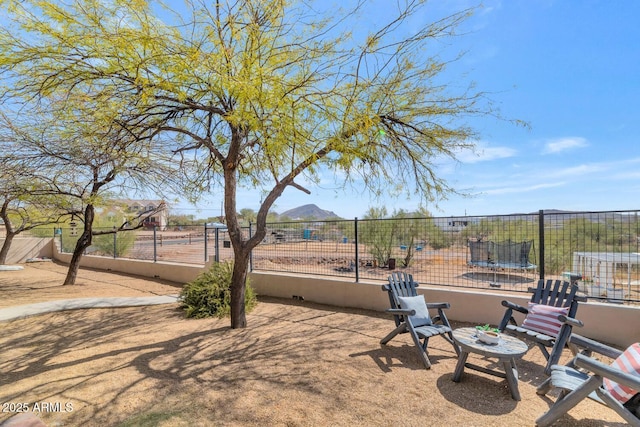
453	223
140	207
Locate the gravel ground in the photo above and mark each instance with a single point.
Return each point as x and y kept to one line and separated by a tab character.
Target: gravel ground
296	364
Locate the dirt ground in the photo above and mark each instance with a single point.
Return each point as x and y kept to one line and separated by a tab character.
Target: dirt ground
296	364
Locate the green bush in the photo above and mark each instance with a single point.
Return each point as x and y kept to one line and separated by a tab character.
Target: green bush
124	242
209	294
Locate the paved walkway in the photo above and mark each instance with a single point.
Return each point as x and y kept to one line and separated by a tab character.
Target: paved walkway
20	311
25	419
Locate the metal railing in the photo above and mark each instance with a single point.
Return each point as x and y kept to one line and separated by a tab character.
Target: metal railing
598	250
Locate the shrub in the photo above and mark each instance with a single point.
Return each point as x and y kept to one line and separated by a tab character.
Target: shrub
209	294
123	243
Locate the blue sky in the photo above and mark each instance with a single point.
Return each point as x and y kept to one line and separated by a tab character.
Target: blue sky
569	68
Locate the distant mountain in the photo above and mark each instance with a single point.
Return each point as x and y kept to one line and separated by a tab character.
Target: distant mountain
307	212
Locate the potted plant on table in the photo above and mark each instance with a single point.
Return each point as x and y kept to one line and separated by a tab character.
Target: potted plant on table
488	334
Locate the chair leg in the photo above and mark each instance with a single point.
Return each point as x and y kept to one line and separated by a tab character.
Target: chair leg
421	350
505	319
449	337
562	406
400	329
425	343
542	348
545	387
619	408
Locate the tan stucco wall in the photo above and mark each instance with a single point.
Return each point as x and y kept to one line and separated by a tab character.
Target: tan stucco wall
23	248
179	273
611	323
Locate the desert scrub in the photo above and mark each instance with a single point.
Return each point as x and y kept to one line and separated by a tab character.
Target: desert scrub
209	294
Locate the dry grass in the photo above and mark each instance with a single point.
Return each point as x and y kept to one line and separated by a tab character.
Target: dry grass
297	364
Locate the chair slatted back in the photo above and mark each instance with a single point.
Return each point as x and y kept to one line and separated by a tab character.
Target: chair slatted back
557	293
400	285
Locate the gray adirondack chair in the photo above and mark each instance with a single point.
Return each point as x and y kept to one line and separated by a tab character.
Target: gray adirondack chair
554	293
583	377
402	285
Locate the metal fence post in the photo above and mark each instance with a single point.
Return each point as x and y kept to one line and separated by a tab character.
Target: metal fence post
250	253
215	245
206	254
155	248
115	242
541	245
355	229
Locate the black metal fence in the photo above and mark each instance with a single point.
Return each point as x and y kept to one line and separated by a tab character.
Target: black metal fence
598	250
189	244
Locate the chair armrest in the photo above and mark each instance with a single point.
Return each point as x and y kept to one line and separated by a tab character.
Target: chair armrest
594	346
514	306
607	371
401	312
438	305
570	321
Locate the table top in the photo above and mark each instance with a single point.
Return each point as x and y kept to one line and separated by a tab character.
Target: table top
507	345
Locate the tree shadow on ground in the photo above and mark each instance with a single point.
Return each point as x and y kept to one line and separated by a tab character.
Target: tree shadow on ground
298	363
70	352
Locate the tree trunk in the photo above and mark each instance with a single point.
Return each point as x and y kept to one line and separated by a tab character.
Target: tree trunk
4	252
241	248
238	286
9	230
83	243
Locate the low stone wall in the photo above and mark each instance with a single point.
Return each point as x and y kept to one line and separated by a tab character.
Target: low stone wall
611	323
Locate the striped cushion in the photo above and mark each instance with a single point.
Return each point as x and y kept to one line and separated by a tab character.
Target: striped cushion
544	318
629	362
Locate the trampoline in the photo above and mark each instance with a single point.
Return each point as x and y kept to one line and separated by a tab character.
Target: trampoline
497	278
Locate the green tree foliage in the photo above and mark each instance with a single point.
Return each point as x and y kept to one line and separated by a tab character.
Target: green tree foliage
248	216
408	233
117	244
383	234
263	93
85	158
379	234
209	295
177	220
26	200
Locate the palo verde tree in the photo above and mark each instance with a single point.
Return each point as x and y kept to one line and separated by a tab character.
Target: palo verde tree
267	94
83	161
379	234
25	202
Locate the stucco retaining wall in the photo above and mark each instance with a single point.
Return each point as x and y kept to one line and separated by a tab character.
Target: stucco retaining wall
610	323
23	248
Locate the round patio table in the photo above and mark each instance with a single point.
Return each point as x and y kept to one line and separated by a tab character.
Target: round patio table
507	350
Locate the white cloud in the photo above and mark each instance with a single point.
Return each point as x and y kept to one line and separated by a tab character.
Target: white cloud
485	154
633	175
522	189
562	144
582	170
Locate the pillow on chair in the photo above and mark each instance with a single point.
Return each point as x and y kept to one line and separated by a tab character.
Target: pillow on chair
544	318
421	318
629	362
